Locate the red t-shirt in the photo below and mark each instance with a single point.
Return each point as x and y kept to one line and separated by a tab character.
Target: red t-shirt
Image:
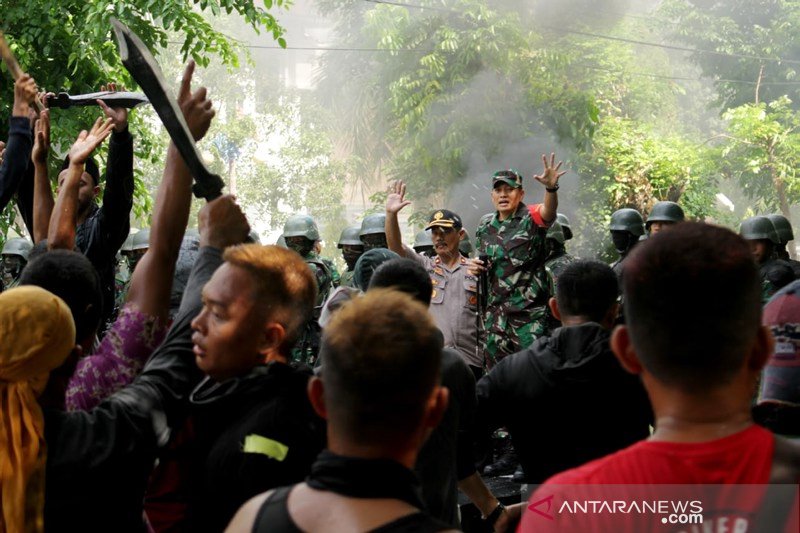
641	487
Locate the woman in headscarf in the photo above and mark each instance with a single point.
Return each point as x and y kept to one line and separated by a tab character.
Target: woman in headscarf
38	334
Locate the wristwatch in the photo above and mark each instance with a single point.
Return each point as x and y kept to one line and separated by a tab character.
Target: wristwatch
491	520
552	189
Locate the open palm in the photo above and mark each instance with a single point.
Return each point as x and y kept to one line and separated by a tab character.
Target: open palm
86	143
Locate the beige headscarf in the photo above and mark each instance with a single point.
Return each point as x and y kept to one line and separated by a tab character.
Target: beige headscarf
36	334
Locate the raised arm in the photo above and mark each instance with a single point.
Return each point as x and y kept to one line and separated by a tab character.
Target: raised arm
395	202
549	178
18	150
61	232
152	280
42	193
118	192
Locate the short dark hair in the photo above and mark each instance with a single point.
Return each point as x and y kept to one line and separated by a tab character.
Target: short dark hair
90	167
70	276
587	289
283	282
382	357
693	305
404	275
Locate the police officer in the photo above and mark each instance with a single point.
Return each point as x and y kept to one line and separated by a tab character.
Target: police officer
663	214
373	232
15	257
352	248
557	261
454	300
626	227
423	244
785	234
763	239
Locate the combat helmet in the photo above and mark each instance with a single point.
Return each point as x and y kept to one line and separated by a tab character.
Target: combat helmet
556	232
140	240
565	226
301	226
349	237
665	211
126	246
18	246
422	240
759	228
629	220
783	227
373	224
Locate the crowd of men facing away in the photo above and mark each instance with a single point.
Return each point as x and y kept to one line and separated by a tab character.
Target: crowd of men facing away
232	385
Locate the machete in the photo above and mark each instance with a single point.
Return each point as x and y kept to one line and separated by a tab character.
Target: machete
111	98
145	70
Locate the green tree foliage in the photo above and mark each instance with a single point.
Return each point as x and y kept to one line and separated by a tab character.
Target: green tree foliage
68	45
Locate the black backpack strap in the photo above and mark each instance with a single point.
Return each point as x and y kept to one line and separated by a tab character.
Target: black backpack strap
781	494
274	514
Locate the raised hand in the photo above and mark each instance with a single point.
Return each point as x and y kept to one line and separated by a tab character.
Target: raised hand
197	109
86	143
41	138
222	223
24	96
549	177
118	115
396	200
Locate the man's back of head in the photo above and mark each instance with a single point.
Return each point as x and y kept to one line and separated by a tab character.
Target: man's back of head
382	362
404	275
692	298
587	291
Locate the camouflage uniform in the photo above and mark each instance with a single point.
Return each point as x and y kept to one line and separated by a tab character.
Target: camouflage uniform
336	278
517	299
346	279
307	348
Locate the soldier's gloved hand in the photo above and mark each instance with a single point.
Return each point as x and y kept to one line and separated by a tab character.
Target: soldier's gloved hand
222	223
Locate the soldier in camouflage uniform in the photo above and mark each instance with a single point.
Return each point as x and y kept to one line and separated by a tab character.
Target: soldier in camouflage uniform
423	244
627	227
373	232
15	257
352	248
301	233
557	260
763	238
513	239
785	234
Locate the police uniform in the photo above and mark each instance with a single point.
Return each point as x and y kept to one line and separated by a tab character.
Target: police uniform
454	304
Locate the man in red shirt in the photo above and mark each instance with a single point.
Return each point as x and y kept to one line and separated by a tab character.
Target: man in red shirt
694	335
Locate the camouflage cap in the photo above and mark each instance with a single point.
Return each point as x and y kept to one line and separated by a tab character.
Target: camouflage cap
510	177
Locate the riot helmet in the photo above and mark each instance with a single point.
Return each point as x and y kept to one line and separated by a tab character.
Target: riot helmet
565	226
783	227
300	233
373	231
629	220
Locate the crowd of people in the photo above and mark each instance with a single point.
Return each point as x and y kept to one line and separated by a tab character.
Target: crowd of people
228	385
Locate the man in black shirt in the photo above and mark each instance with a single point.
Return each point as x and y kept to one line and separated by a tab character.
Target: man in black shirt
379	391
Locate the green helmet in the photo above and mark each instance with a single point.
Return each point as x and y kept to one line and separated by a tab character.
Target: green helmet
629	220
758	228
665	212
565	226
373	224
349	237
140	240
465	246
281	242
301	226
18	246
422	240
126	246
556	233
783	227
